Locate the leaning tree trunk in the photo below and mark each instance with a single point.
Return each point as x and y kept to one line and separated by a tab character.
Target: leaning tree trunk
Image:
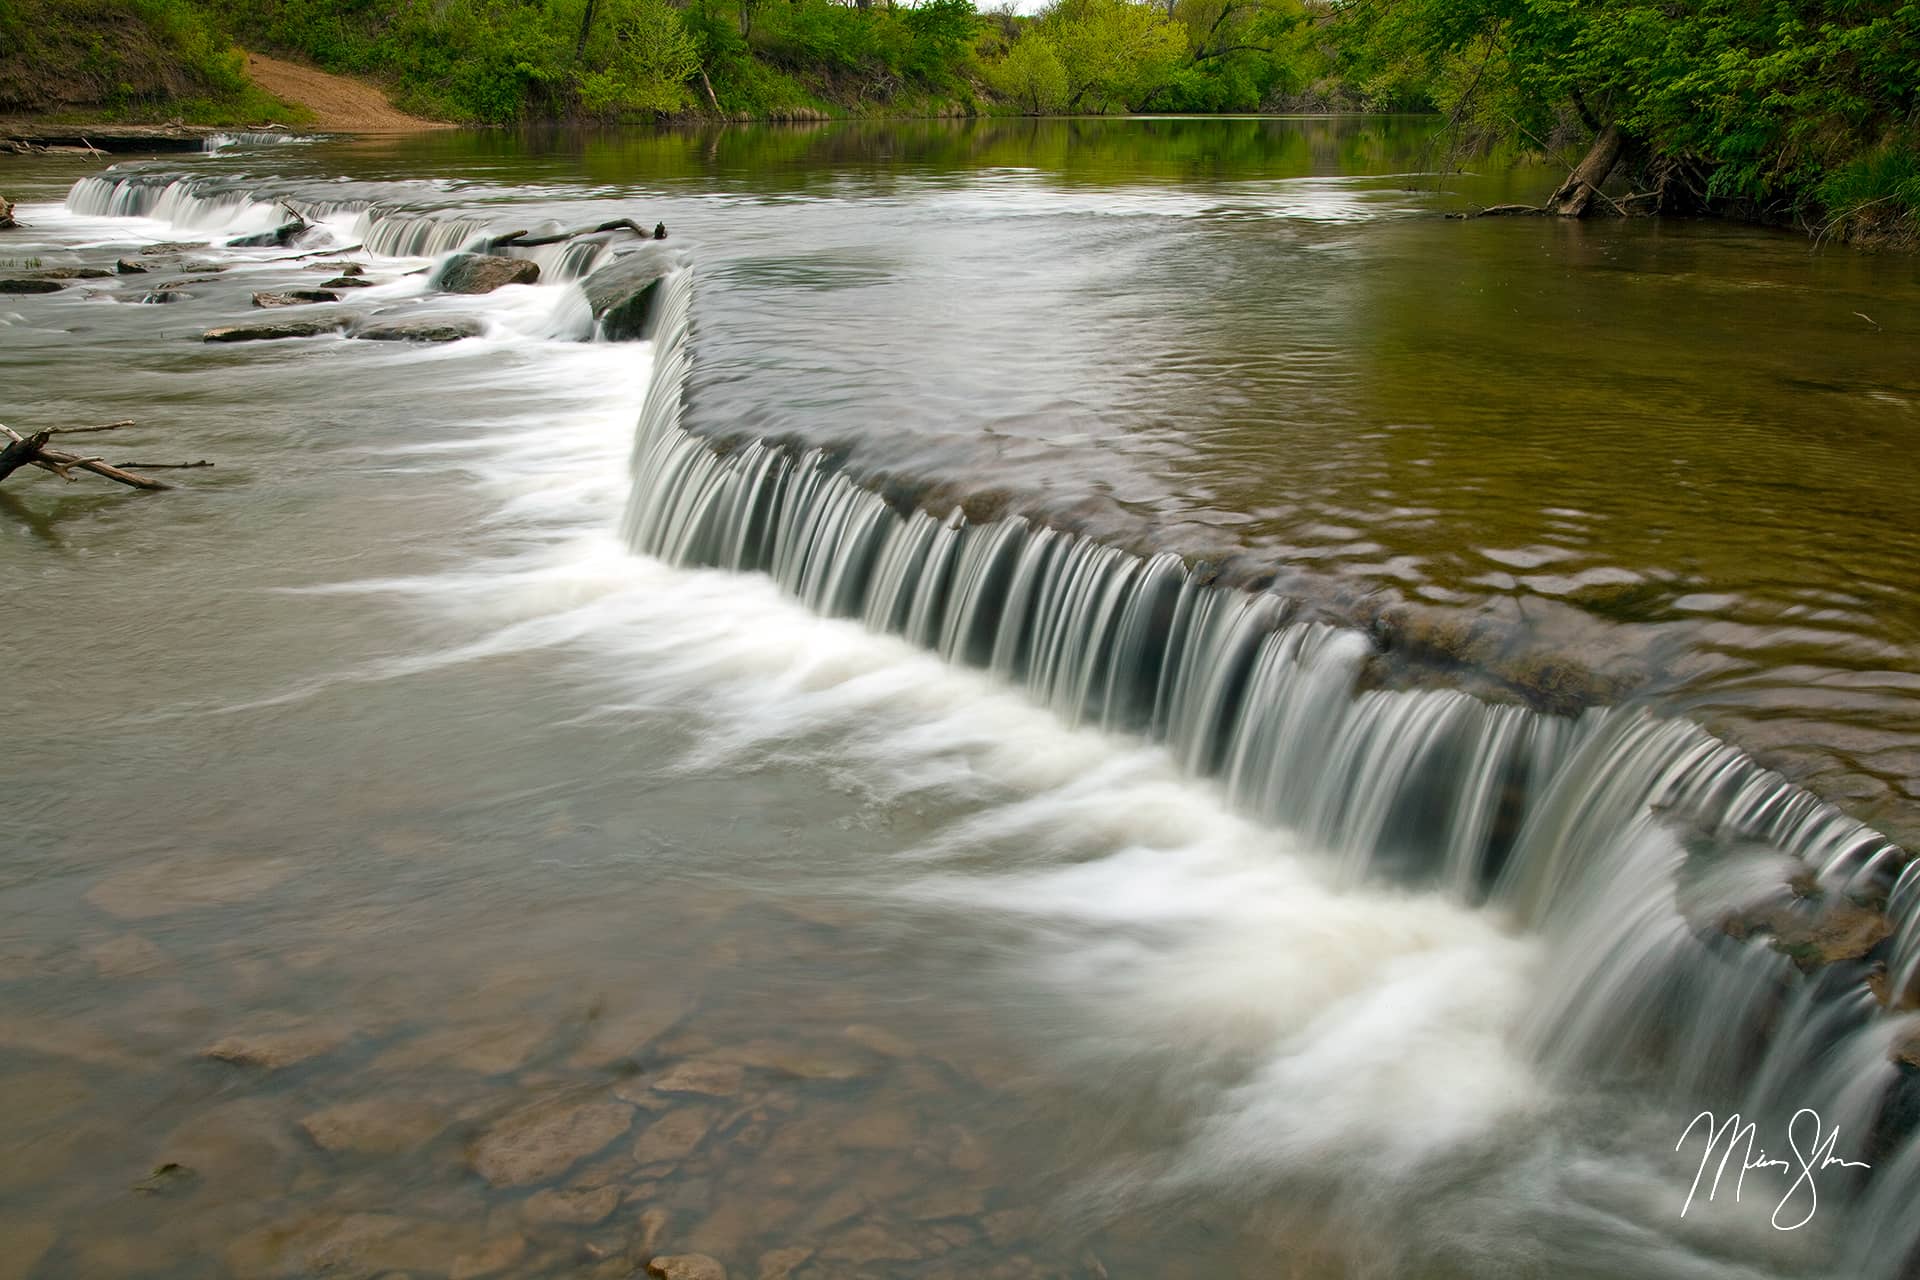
1576	194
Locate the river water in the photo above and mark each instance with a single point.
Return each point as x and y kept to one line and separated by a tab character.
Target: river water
537	803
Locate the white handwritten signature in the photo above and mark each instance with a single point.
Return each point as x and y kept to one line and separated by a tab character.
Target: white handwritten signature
1815	1155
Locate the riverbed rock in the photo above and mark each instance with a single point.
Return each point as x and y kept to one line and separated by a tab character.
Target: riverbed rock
74	273
687	1266
674	1136
487	1049
367	1245
1814	938
294	298
543	1140
623	293
128	267
22	1244
283	234
163	886
128	956
713	1079
574	1206
278	1044
378	1126
346	282
20	286
273	331
483	273
338	268
423	329
780	1264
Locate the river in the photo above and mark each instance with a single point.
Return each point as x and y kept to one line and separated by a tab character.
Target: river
1101	698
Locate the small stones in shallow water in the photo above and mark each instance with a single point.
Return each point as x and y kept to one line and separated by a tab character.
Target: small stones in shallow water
686	1266
294	298
538	1142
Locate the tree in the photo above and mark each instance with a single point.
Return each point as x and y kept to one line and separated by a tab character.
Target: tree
1113	52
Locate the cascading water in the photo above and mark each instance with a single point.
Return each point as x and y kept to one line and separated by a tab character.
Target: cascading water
1630	841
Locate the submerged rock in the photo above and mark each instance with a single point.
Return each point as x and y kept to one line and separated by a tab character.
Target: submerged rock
1815	936
537	1142
687	1266
483	273
432	329
276	1047
674	1136
583	1206
31	286
715	1079
622	293
378	1126
269	331
294	298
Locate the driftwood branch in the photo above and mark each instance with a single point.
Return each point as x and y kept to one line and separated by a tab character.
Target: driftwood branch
32	451
79	431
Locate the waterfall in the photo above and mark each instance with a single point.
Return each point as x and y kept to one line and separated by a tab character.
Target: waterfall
1628	839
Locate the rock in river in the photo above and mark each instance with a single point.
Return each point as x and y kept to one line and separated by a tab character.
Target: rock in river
425	329
269	330
537	1142
30	286
483	273
294	298
686	1266
622	293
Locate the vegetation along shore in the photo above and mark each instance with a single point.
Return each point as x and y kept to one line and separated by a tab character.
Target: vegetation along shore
1801	112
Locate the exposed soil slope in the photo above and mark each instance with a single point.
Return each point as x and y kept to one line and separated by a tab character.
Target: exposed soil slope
338	103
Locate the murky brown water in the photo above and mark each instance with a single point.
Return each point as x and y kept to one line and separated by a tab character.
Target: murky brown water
402	879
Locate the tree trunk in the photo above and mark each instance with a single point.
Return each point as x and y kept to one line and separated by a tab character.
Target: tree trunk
6	214
1576	194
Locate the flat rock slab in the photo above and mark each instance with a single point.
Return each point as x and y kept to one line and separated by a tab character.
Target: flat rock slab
277	1047
294	298
165	885
346	282
714	1079
269	332
73	273
687	1266
538	1142
581	1207
445	329
483	273
674	1136
378	1126
31	286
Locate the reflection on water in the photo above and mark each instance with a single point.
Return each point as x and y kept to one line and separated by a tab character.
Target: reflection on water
405	878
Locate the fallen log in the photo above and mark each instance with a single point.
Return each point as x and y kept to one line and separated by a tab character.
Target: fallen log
33	451
524	240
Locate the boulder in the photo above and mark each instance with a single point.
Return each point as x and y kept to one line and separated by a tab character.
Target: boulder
346	282
687	1266
128	267
294	298
622	293
283	234
483	273
425	329
31	286
270	330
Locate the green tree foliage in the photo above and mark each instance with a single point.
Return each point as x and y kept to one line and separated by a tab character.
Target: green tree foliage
1767	103
1031	76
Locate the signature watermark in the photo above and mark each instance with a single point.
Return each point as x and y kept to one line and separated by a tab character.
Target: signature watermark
1736	1142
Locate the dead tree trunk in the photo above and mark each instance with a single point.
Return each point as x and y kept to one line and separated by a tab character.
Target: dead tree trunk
21	453
1576	194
